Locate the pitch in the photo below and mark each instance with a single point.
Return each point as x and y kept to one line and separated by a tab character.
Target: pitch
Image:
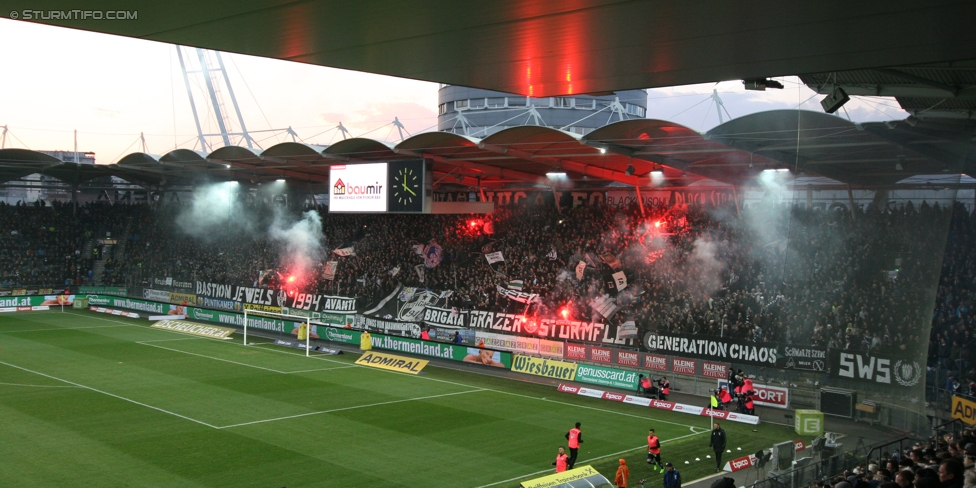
94	400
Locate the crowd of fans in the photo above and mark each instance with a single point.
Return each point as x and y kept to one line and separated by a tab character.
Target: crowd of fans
942	462
775	272
52	245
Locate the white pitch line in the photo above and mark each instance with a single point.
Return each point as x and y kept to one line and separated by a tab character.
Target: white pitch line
177	339
144	343
66	328
456	383
320	369
79	385
643	446
38	386
353	408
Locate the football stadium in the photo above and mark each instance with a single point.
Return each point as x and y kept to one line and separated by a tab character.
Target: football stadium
562	282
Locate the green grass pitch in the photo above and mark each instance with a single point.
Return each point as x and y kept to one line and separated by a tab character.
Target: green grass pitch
96	400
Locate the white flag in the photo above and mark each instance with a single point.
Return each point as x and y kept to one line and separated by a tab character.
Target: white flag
494	257
627	330
346	251
604	305
580	268
330	269
620	279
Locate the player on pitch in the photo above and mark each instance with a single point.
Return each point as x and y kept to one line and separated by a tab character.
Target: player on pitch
654	451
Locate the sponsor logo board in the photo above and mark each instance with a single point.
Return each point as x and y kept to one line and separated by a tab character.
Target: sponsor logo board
964	410
663	405
193	328
599	375
601	355
766	395
576	351
715	370
655	362
549	368
628	358
683	366
391	362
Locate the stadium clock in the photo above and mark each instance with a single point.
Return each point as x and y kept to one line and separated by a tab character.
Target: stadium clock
406	187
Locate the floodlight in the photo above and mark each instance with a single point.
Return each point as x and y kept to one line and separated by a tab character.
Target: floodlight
835	100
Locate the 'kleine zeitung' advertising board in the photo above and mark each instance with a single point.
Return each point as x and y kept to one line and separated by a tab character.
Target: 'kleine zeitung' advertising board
357	187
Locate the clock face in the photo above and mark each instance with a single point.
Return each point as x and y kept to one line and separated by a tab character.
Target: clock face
406	180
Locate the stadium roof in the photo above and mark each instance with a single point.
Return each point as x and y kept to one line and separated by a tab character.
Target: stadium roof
553	47
809	143
940	90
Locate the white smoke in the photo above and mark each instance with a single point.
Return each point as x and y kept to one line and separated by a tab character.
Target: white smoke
216	210
706	265
301	241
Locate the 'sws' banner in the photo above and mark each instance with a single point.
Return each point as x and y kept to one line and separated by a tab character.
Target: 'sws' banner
276	298
876	369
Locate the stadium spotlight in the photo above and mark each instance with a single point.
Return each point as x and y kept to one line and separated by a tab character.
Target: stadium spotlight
603	150
835	100
761	84
280	180
227	166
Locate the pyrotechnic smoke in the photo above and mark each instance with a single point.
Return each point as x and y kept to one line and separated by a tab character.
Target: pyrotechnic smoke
301	240
216	210
705	263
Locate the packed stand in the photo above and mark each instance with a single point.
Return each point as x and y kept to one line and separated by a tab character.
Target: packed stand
44	245
836	281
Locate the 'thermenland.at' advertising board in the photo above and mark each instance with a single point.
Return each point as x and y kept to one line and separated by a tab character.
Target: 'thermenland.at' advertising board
357	187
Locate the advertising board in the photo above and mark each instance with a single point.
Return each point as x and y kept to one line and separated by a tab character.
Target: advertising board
358	187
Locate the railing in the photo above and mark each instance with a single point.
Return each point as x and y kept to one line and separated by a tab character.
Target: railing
820	467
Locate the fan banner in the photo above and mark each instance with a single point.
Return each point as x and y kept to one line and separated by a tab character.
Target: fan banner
727	350
876	369
494	257
274	298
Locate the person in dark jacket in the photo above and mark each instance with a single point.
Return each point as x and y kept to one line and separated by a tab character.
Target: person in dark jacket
672	478
717	443
951	474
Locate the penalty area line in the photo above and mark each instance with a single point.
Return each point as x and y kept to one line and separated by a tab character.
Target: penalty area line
625	451
79	385
145	343
352	408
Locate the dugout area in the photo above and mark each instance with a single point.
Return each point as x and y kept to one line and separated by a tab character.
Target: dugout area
115	401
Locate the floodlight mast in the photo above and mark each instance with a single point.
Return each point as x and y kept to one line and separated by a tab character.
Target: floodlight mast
213	74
